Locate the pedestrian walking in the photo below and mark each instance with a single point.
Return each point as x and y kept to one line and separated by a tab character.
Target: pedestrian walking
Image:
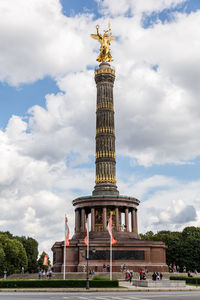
130	276
127	276
124	268
39	274
5	275
154	276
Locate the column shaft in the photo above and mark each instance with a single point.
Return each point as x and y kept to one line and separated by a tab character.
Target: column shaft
117	218
92	219
83	219
136	222
77	221
105	132
104	218
133	225
126	219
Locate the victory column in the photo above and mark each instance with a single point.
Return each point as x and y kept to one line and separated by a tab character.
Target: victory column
105	200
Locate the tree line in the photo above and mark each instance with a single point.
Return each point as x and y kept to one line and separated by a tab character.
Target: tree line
183	248
17	252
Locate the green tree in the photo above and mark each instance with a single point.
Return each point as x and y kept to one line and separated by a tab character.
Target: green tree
2	259
191	247
31	247
149	235
183	248
191	232
13	255
41	260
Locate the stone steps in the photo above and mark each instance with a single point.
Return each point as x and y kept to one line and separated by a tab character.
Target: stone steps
159	283
82	275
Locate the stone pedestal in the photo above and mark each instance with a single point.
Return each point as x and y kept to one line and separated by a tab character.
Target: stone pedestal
135	254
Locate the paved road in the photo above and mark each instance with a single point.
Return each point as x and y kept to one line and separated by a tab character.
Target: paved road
102	296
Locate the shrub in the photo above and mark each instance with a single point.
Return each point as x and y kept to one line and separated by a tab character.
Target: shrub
190	280
178	277
99	278
57	283
104	283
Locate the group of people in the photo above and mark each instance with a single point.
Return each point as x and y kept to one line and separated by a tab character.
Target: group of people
176	269
43	274
106	268
157	276
142	275
173	268
129	275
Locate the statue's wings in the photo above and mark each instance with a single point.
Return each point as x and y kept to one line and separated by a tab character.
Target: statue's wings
94	36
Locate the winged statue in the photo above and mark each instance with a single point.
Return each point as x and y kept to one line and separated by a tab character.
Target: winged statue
104	40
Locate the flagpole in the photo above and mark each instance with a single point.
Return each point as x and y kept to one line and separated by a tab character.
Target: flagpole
111	251
64	250
88	241
87	257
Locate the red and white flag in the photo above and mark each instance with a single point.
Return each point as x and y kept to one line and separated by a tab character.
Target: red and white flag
45	260
87	230
66	232
109	228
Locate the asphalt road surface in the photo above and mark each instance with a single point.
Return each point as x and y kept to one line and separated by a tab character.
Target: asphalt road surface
102	296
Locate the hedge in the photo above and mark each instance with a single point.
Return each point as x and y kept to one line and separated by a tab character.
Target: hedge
104	283
99	278
191	280
57	283
178	277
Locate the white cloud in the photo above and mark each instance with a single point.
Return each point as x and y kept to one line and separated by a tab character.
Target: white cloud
35	193
42	42
159	108
171	208
135	7
166	203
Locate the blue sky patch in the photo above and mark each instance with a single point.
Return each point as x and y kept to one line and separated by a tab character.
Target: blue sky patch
72	8
167	15
185	172
16	101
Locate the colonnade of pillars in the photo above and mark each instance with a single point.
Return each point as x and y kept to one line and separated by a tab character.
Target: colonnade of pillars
80	217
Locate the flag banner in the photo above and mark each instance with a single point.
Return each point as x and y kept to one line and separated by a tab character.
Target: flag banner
87	230
45	260
109	228
66	232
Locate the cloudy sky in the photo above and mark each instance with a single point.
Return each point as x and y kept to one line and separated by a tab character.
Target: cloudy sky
47	110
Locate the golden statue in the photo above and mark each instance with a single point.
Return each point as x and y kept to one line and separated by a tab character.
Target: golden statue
104	40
